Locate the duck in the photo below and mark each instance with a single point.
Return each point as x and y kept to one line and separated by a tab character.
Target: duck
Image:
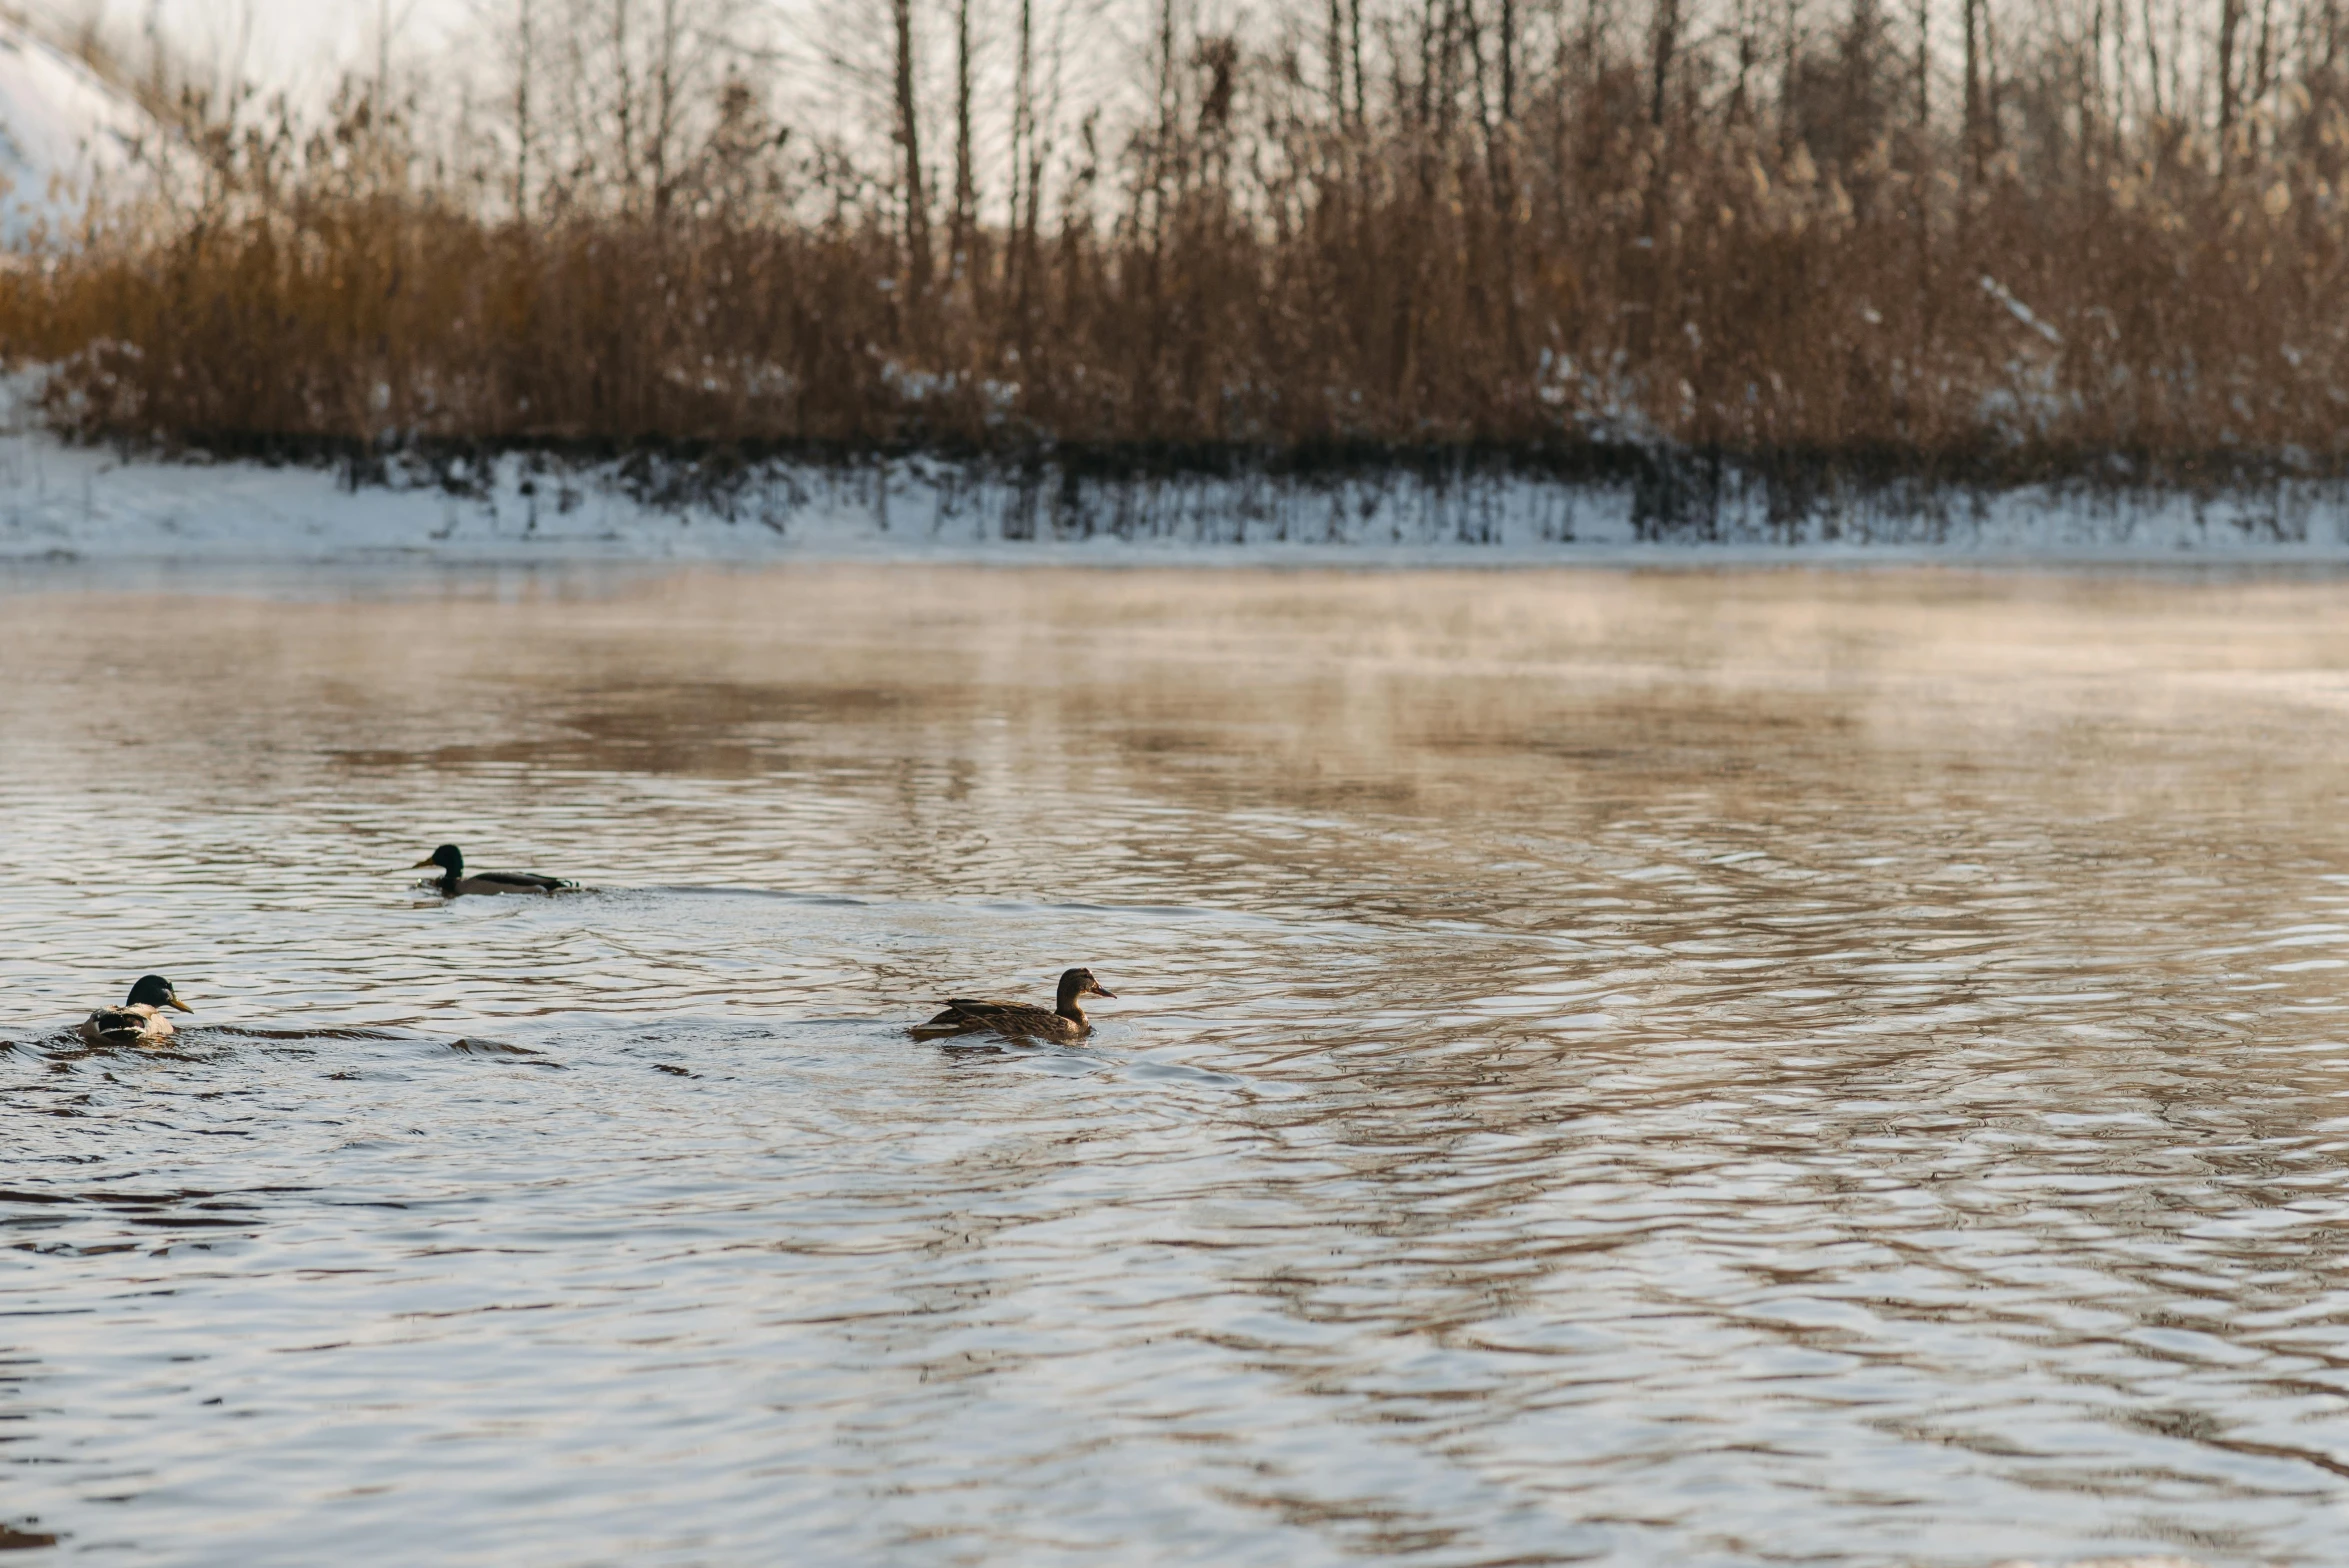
1065	1020
453	882
140	1020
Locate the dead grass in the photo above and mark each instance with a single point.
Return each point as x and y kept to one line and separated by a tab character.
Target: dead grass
1564	278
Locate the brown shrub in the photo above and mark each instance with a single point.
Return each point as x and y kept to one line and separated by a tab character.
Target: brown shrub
1559	278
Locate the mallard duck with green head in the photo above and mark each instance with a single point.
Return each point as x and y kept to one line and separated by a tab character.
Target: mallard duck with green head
453	882
140	1020
1064	1020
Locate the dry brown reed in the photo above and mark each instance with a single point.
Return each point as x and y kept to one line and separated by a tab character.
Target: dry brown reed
1408	270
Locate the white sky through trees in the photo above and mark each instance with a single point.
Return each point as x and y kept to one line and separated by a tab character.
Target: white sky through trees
301	45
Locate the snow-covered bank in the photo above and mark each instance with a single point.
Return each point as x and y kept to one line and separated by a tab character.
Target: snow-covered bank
64	133
73	504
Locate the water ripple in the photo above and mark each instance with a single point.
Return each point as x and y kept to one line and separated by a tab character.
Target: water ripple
1639	1069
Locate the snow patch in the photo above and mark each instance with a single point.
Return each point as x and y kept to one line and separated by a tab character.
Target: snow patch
65	133
63	503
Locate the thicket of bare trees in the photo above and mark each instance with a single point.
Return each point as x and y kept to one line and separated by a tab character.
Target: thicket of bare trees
1959	232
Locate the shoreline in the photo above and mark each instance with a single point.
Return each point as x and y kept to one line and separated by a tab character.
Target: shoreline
64	505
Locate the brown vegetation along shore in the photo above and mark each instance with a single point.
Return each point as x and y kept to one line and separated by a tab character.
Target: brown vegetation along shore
1503	229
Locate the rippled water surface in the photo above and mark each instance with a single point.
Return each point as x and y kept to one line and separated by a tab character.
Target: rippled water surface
1680	1069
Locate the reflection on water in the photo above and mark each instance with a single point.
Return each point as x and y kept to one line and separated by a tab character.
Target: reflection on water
1637	1069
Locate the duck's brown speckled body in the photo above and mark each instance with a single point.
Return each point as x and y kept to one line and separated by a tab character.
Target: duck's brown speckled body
140	1020
1065	1020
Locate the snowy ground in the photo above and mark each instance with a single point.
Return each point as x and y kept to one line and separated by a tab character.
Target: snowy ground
63	135
65	504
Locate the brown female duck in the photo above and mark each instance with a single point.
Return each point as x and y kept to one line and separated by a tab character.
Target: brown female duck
140	1020
453	882
1065	1020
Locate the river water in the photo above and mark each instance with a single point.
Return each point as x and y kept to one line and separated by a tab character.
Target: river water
1676	1068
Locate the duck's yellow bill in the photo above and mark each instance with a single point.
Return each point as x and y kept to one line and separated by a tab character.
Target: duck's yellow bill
421	864
173	1001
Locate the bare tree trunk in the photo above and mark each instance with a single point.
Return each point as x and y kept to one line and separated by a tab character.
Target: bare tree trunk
2264	58
623	77
1666	44
1472	34
1993	135
665	104
1921	209
1023	132
1039	143
1334	51
1508	48
965	178
525	132
1924	73
1169	91
1354	48
1975	140
2091	103
1463	42
1425	88
909	142
1500	143
2230	19
1740	109
1789	62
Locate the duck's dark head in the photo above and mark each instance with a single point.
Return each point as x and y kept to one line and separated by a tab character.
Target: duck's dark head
155	991
448	857
1079	983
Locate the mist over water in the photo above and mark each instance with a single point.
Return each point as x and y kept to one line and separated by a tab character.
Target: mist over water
1668	1068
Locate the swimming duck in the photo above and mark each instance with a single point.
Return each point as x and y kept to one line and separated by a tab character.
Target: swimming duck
140	1020
1065	1021
452	881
